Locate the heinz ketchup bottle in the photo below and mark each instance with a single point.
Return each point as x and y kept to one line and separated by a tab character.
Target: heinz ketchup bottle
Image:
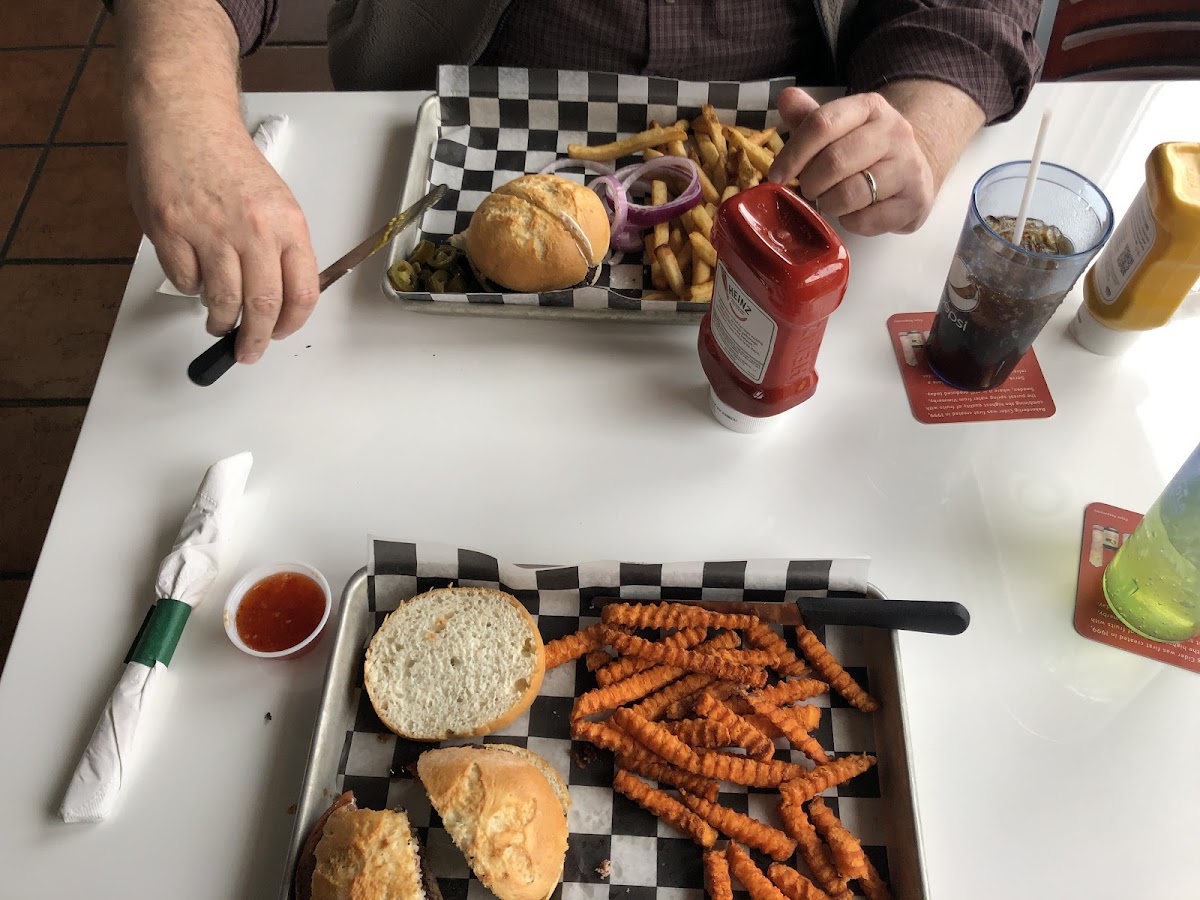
781	271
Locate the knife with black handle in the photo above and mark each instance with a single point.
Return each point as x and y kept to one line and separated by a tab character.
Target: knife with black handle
219	358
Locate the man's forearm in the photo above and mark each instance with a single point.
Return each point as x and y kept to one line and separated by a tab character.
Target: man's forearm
177	58
943	118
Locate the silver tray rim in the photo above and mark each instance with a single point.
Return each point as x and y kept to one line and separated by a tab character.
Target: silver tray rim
350	634
416	183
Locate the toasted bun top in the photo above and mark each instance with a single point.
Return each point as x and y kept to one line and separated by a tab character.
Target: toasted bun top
561	791
503	813
367	854
538	233
454	662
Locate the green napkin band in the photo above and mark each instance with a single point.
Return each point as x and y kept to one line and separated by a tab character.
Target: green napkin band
157	638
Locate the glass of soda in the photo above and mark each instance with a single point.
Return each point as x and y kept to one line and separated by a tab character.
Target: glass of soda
1001	292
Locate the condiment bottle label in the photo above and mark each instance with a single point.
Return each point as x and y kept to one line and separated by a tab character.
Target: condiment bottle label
743	331
1130	243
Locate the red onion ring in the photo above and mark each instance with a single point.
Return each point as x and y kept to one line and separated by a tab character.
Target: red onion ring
598	167
630	174
616	202
647	216
627	220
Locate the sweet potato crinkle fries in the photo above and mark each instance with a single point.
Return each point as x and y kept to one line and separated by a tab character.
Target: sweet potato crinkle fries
704	704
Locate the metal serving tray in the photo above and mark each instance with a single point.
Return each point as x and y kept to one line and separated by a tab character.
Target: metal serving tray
339	701
417	184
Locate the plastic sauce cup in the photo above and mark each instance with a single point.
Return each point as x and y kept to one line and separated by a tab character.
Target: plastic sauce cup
253	578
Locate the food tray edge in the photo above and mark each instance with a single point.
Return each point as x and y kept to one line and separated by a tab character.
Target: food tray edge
416	184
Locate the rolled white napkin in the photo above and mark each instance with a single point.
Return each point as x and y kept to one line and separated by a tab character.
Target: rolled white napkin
271	138
184	577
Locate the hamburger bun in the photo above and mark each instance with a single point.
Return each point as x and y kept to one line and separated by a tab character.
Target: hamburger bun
454	662
363	854
506	809
538	233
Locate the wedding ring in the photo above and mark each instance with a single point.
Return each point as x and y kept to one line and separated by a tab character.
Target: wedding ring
871	184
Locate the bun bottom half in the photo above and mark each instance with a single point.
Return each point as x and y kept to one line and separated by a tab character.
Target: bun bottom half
363	854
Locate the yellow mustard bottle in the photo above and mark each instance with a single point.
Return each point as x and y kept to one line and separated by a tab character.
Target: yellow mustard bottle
1153	258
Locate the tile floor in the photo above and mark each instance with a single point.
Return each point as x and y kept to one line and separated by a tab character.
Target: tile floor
68	236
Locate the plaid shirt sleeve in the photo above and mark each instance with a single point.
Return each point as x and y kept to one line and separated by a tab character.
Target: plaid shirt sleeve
985	48
254	20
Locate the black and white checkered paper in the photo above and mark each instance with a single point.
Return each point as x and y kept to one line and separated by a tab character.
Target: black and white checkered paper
498	124
649	860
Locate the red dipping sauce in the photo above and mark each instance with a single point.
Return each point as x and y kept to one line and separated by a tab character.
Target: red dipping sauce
279	612
781	271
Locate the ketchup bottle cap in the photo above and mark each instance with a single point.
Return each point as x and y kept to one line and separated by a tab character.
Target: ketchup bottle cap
737	421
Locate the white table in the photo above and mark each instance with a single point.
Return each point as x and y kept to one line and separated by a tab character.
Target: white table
1036	753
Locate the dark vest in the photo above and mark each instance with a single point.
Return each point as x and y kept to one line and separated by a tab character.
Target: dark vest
398	44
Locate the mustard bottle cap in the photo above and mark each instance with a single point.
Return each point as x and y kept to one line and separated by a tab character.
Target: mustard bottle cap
1094	335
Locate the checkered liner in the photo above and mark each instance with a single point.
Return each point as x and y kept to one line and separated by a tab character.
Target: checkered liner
649	861
500	123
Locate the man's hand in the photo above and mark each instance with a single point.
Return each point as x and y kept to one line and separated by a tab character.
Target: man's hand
222	221
908	137
226	226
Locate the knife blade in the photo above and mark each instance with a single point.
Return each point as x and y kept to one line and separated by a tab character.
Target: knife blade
930	616
219	358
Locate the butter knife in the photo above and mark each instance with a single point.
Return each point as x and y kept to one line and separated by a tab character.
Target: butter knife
219	358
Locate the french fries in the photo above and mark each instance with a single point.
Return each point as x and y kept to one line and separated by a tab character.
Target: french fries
748	174
848	853
669	615
658	197
729	158
789	664
669	263
650	766
740	827
597	660
702	249
687	638
830	669
716	876
791	728
816	853
686	712
702	224
573	646
741	732
651	137
655	706
825	776
700	732
808	717
666	808
751	152
635	687
708	190
794	885
750	875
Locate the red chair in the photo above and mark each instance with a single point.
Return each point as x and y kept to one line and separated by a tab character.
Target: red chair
1124	39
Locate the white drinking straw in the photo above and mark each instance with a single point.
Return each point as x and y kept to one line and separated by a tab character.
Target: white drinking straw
1031	179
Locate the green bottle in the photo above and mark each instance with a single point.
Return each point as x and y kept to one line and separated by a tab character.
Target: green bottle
1153	583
